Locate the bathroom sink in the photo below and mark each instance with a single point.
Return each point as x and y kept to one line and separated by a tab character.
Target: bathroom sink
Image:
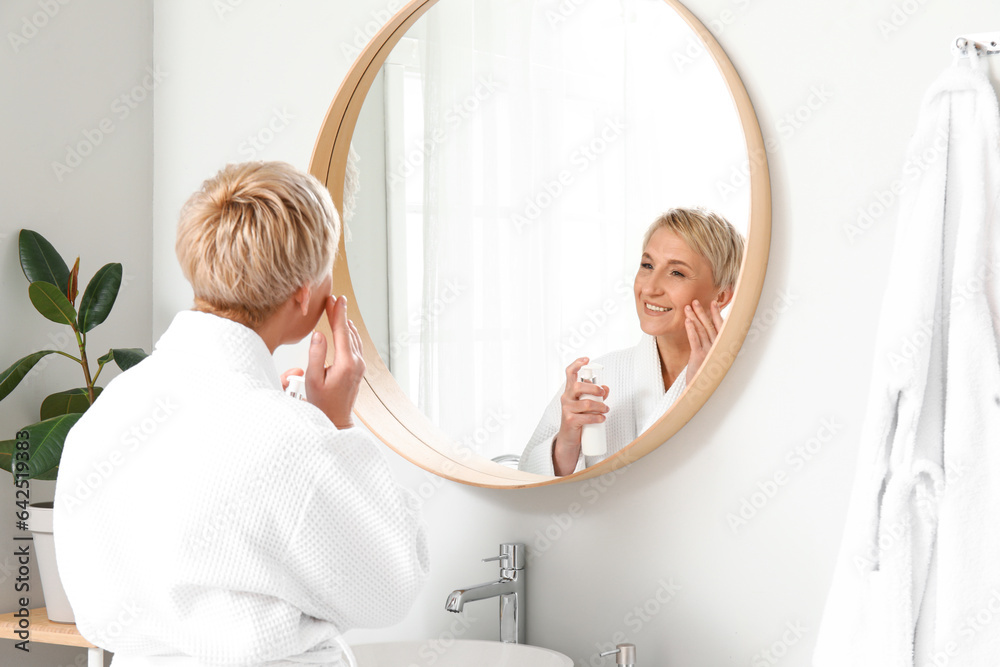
457	653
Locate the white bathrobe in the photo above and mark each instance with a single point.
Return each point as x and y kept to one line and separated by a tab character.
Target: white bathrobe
918	577
200	512
636	399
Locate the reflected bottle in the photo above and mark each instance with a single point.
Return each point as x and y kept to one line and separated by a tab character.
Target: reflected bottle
595	436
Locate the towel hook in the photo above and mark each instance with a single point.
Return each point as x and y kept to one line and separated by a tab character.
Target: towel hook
984	44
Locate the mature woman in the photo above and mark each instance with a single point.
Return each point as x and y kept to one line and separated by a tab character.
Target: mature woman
204	517
690	262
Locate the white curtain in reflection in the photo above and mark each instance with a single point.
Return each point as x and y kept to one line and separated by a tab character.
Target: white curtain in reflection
549	136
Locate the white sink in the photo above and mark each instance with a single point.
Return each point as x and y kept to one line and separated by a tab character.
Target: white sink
457	653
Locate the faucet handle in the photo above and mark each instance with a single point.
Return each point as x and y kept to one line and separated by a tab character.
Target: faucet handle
626	654
511	557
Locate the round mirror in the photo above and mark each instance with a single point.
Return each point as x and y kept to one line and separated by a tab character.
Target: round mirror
503	160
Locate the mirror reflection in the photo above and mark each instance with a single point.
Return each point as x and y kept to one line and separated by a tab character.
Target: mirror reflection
509	161
686	277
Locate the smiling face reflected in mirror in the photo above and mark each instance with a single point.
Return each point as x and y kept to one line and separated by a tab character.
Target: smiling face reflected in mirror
686	275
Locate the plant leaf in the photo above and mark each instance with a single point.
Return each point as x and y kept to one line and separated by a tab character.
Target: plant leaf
51	474
99	297
45	444
67	402
40	261
12	377
6	454
125	357
52	303
74	282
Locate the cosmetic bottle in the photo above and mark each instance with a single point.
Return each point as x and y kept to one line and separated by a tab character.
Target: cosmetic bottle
595	436
296	387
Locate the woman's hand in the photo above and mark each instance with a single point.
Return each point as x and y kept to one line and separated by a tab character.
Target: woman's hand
287	374
702	330
334	388
576	413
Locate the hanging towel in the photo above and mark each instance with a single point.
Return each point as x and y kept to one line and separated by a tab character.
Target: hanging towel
918	575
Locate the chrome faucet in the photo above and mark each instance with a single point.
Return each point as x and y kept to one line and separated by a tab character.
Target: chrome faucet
509	588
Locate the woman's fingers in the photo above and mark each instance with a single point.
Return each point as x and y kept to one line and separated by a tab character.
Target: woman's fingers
316	369
572	370
717	317
341	332
581	388
704	328
290	372
359	347
584	405
583	418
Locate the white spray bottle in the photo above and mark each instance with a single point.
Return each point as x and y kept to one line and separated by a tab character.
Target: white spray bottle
595	436
296	387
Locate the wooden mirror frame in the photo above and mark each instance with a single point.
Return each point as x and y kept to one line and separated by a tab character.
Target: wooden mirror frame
388	412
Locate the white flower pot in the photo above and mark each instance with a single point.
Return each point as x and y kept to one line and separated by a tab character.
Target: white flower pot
40	524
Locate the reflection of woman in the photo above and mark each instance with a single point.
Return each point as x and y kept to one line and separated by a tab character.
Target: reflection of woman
690	261
237	525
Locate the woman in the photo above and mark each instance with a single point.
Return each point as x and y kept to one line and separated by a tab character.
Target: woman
690	262
202	517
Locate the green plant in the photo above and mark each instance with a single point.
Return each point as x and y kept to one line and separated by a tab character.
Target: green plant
53	291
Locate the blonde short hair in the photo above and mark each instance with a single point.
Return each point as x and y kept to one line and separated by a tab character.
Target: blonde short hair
254	234
710	235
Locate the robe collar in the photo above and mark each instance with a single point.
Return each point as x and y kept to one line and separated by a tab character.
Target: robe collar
220	344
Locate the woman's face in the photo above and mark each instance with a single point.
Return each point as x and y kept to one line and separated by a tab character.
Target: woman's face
671	275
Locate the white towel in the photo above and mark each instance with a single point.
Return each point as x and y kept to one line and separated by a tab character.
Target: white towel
921	549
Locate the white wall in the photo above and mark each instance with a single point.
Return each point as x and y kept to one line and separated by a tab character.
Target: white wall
268	65
665	520
64	69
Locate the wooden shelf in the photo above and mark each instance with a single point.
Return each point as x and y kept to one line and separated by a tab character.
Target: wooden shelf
43	631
